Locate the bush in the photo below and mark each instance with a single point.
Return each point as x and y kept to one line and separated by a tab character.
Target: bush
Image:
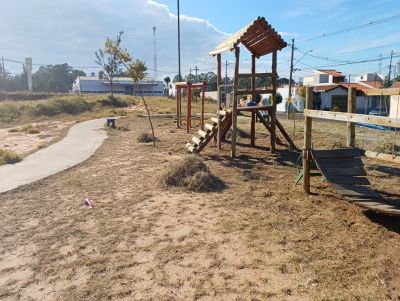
9	157
112	101
54	107
9	112
30	129
145	138
192	173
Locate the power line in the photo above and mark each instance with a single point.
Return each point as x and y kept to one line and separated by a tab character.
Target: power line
350	29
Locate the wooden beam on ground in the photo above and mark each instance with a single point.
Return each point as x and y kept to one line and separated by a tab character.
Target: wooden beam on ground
383	157
307	141
351	117
351	108
379	92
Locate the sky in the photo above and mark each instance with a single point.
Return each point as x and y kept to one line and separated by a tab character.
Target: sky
60	31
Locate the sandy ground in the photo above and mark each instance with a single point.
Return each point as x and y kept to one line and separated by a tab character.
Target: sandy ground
24	144
260	238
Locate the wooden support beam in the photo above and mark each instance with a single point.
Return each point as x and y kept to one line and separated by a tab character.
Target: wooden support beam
351	108
234	111
219	80
253	96
273	115
178	121
257	91
307	141
255	75
189	108
379	92
203	94
359	118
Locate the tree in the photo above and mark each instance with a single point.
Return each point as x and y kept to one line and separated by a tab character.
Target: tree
112	58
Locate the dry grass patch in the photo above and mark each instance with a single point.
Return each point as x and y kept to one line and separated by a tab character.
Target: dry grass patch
8	157
192	173
145	138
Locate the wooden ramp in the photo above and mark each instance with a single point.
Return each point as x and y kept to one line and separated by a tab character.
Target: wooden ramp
344	169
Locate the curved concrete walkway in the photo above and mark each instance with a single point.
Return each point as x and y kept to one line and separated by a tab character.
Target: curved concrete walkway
81	142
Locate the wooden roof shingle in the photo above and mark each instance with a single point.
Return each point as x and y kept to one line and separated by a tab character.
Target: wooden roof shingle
259	37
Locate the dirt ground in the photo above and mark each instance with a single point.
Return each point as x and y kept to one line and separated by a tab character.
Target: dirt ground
16	139
260	238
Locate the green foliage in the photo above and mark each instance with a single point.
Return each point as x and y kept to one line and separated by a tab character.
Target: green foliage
112	101
8	157
137	70
9	112
30	129
112	58
301	91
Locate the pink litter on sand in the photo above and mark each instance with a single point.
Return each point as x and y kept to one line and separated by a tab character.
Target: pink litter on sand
89	202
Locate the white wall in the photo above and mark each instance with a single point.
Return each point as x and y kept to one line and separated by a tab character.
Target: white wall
394	106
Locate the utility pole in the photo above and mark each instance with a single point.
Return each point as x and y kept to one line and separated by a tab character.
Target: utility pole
290	80
390	66
196	69
190	73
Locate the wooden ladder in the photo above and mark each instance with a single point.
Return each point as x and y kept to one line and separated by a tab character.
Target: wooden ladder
210	131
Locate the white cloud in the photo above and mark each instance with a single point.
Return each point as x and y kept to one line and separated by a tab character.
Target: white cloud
55	31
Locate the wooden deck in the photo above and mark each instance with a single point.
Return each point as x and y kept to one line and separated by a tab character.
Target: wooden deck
344	169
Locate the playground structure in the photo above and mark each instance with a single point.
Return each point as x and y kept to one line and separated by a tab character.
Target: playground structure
260	39
188	87
343	168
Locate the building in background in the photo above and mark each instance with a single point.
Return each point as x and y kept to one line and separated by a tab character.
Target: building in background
121	85
323	77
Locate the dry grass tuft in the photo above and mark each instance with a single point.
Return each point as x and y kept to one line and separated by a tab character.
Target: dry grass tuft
145	138
9	157
191	172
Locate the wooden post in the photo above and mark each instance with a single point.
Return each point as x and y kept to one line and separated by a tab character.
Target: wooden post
177	108
234	109
189	107
203	92
307	141
351	108
219	79
253	95
273	115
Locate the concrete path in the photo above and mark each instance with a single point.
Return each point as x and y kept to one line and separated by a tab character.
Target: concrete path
81	142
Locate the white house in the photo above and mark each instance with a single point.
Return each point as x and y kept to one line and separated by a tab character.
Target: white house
323	77
121	85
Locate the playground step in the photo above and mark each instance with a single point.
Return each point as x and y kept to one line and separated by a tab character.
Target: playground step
214	120
196	140
209	127
221	112
202	133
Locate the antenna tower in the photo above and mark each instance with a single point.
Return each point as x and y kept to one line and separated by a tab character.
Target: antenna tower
155	53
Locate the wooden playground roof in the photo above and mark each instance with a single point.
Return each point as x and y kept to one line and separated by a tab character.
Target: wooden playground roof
259	37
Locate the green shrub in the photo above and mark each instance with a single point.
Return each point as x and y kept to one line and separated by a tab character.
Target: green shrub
112	101
30	129
58	106
9	112
9	157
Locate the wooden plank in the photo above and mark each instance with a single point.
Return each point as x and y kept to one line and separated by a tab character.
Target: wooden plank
257	91
208	127
343	171
351	117
336	153
214	120
196	140
286	135
348	180
221	112
268	127
273	97
379	92
255	75
253	108
353	190
202	133
347	162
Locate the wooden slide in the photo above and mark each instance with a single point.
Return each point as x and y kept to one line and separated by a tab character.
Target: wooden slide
344	169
